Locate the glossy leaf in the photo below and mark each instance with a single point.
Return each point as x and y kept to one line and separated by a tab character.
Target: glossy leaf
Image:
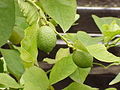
7	19
99	51
28	48
62	52
57	10
8	81
115	80
80	75
35	78
78	86
13	62
62	69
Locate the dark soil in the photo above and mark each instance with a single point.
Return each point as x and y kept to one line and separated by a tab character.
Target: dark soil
99	3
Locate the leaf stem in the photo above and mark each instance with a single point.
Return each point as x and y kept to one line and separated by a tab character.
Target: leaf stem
99	65
114	43
40	12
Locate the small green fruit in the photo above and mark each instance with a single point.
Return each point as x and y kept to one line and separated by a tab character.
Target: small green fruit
16	36
46	38
82	59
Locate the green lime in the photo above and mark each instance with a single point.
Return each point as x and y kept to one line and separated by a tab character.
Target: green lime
16	36
46	38
82	59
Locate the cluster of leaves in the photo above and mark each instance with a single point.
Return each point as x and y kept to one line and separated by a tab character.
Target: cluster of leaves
31	23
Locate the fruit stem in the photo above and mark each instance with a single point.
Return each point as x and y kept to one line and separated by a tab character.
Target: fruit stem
64	39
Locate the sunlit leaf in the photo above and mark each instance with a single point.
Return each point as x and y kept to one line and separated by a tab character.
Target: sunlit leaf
86	39
28	48
115	80
50	61
109	26
80	74
62	52
99	51
62	69
57	10
78	86
35	78
8	81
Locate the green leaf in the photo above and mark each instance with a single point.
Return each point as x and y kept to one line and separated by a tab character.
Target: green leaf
2	86
1	66
110	31
80	75
4	64
28	48
82	39
99	51
35	78
86	39
77	86
57	10
15	89
104	20
71	37
62	52
18	30
19	27
77	16
7	19
30	11
111	89
109	26
49	60
13	62
8	81
115	80
62	69
79	45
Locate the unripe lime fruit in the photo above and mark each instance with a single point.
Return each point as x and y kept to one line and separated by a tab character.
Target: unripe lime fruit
82	59
46	39
16	36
